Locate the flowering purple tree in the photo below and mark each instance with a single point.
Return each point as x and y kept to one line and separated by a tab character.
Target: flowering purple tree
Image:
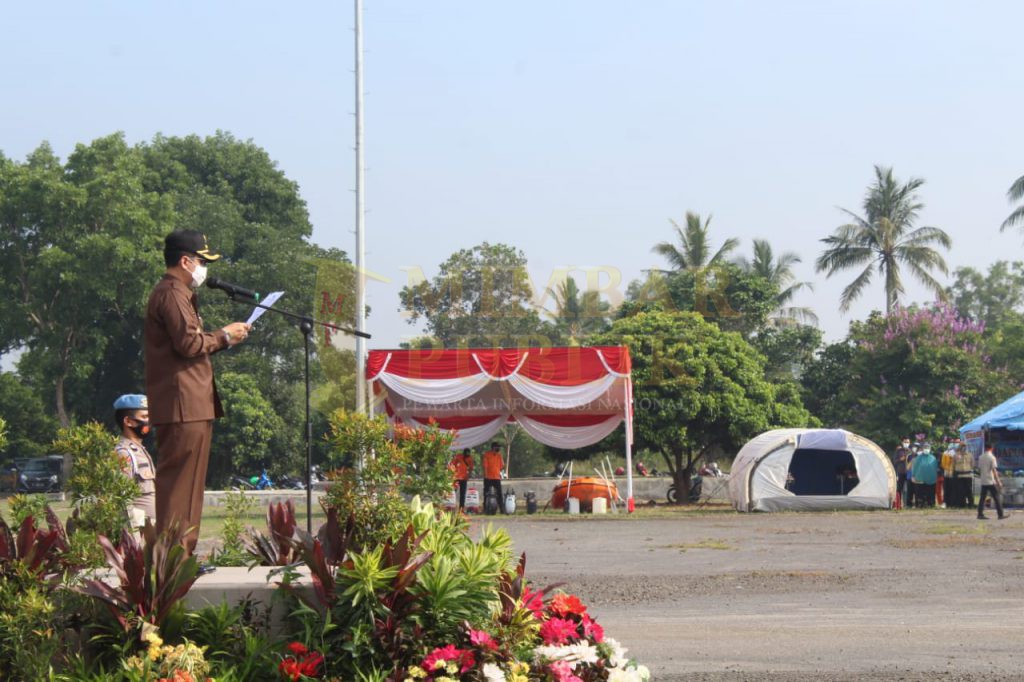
919	370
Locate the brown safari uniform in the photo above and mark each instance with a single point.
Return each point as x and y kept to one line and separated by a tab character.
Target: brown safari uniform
183	401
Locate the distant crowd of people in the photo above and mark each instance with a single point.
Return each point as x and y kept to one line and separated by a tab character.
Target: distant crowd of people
924	480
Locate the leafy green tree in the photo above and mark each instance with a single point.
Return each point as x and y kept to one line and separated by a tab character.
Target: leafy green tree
698	389
884	240
244	442
788	350
76	258
824	381
728	296
779	272
992	297
30	428
577	314
480	297
694	251
80	249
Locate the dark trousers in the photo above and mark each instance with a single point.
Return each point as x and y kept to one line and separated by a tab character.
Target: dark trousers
901	485
924	496
963	492
909	498
463	484
184	454
994	491
496	484
948	496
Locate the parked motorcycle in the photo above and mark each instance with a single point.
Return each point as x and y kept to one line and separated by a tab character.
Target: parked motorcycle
696	486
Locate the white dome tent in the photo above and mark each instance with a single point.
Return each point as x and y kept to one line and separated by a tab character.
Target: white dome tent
809	470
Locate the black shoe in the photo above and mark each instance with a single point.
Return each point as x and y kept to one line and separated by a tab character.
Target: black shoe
1004	516
982	516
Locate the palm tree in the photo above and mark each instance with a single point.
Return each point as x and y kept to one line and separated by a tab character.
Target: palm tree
577	314
1015	193
694	250
884	240
779	272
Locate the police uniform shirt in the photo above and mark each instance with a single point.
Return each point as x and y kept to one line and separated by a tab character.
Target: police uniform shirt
139	465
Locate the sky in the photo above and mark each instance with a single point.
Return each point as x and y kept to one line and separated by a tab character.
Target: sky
573	130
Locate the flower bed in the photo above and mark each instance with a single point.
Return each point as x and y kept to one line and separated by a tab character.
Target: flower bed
415	598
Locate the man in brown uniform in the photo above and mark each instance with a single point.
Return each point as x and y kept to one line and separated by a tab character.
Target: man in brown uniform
183	400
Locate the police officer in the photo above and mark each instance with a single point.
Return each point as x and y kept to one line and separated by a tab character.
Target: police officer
131	414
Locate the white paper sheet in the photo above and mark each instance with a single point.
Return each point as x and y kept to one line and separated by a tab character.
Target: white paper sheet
270	300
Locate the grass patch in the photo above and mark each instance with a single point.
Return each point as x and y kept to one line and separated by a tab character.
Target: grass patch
707	543
958	529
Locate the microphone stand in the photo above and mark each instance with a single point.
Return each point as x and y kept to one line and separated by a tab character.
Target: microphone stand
306	326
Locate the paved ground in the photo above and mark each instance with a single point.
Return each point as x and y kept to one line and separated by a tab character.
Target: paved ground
797	596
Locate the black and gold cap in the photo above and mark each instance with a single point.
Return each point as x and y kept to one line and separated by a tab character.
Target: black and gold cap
191	241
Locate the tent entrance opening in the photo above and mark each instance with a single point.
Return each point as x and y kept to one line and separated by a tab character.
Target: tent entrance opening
822	472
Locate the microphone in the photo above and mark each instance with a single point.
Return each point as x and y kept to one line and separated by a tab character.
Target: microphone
232	289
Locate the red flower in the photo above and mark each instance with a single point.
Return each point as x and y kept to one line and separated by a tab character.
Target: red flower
482	639
558	631
289	668
567	605
297	648
533	602
592	630
310	666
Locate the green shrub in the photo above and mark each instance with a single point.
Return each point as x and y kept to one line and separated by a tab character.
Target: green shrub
100	490
237	506
413	463
23	506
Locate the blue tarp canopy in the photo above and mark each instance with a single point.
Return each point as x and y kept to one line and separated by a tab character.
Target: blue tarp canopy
1007	415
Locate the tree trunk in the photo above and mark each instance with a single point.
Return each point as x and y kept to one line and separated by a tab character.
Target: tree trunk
62	412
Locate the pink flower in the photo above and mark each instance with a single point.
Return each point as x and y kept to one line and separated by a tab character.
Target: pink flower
562	672
592	630
482	639
558	631
437	658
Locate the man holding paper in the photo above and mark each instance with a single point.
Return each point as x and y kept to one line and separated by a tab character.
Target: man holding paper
183	400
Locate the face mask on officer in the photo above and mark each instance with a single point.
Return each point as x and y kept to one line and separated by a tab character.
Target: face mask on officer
140	428
199	274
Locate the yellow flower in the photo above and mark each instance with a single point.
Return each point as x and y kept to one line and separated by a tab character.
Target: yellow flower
516	677
520	668
416	671
154	639
451	668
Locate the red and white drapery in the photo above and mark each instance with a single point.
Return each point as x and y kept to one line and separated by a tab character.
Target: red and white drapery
563	397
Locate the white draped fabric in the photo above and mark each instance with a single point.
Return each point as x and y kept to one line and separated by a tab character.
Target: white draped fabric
569	437
471	436
435	391
561	397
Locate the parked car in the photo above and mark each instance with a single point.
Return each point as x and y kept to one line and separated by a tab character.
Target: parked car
41	475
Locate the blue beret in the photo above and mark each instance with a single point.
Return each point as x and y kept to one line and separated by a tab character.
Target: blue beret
131	401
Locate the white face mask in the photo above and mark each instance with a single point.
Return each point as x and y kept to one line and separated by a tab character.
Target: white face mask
198	275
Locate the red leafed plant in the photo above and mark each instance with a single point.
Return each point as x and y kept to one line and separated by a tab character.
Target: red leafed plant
41	552
152	577
277	548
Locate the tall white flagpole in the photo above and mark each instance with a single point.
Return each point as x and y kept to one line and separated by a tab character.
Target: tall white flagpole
360	221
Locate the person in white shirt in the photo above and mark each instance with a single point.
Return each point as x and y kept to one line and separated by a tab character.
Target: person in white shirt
991	484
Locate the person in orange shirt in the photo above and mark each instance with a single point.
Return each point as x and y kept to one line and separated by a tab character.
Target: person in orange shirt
462	467
493	464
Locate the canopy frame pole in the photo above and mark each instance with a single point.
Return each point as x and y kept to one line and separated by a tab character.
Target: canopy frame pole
630	504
